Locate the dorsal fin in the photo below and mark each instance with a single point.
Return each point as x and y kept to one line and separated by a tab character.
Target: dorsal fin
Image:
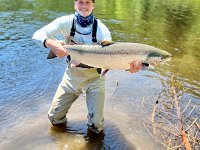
106	43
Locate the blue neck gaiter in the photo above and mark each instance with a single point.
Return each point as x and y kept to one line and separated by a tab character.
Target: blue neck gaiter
84	21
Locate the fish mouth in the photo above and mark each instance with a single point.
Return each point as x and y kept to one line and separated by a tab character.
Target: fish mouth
166	57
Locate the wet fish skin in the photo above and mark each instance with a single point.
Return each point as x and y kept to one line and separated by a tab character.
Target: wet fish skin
117	55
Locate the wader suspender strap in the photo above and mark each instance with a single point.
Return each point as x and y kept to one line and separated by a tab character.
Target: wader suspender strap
94	30
94	40
72	33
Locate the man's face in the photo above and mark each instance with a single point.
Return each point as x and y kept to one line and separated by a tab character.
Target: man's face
84	7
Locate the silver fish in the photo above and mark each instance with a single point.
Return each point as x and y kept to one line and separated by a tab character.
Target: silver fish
117	55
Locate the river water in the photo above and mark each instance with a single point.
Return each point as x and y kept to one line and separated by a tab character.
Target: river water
28	80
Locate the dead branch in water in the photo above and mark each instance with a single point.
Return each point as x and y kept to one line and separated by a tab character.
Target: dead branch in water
174	90
173	122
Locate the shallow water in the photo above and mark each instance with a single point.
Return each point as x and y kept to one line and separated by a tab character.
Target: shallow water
28	81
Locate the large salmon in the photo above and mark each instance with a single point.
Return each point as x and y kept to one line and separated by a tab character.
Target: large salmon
117	55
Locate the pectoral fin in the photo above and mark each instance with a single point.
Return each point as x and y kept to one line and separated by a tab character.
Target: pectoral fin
104	71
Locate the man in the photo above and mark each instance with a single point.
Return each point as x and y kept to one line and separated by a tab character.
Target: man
80	28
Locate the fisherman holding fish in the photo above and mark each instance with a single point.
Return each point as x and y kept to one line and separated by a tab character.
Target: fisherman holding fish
79	28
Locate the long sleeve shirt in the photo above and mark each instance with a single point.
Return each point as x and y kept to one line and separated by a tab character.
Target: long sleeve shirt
62	26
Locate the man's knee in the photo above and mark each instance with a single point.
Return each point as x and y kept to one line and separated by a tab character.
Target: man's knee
55	120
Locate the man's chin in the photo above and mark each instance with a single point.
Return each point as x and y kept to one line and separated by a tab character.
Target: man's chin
84	14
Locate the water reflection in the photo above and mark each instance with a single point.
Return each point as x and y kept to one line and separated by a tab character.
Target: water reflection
28	81
76	136
179	22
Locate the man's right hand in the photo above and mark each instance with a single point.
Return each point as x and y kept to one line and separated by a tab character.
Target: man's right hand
135	66
56	47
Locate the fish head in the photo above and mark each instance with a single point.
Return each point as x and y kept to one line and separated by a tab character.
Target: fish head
155	58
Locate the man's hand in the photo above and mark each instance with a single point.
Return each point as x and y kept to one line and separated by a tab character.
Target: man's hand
135	66
56	47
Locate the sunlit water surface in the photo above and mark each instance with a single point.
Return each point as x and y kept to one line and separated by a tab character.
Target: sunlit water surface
28	81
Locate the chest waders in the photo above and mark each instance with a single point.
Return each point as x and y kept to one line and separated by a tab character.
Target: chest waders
79	79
